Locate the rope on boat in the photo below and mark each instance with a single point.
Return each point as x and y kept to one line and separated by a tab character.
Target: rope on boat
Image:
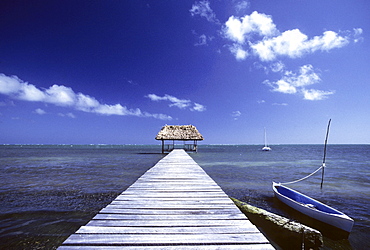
322	166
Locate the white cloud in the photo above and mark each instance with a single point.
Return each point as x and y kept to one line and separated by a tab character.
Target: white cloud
158	116
357	35
176	102
277	66
293	43
69	115
29	92
239	52
280	104
198	107
296	83
10	85
86	103
240	29
241	6
16	88
236	114
64	96
282	86
315	94
202	40
257	34
203	9
40	111
60	95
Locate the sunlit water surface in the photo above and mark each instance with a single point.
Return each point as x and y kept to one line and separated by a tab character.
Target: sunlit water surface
48	192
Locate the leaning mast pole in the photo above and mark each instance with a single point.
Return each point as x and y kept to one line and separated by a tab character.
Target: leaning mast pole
324	159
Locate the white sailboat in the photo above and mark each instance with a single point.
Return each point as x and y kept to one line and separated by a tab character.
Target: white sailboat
266	148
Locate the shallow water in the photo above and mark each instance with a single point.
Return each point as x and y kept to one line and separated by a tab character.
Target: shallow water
48	192
246	173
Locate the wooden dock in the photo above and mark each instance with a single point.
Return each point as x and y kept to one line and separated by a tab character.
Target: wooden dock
174	205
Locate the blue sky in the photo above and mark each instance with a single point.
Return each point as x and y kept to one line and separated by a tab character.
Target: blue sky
115	72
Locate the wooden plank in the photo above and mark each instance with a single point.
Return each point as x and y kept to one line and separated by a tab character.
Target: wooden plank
173	195
168	205
168	230
133	239
171	202
169	217
175	247
174	205
113	210
182	199
168	223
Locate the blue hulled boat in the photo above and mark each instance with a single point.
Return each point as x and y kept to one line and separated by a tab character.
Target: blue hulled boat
312	208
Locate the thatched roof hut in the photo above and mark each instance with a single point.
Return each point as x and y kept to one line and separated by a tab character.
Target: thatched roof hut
179	133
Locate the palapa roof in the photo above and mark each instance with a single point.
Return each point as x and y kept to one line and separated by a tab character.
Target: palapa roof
179	132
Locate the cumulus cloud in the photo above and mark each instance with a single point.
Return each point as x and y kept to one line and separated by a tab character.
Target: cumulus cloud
40	111
293	43
241	29
176	102
239	52
256	34
203	9
296	83
64	96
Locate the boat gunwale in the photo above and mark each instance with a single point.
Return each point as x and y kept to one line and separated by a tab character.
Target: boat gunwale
339	214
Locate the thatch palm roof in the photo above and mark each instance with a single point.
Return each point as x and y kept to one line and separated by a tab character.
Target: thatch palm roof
179	132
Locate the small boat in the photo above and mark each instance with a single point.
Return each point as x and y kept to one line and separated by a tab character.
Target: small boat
266	148
312	207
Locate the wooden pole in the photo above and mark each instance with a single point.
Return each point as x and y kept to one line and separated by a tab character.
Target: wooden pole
323	161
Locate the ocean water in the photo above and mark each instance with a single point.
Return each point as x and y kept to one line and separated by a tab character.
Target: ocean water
49	191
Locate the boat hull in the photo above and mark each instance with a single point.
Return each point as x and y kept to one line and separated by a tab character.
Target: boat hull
313	208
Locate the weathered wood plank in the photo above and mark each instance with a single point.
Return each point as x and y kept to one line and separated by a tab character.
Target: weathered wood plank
168	205
176	247
245	228
173	195
169	217
111	239
172	202
175	189
174	205
215	200
168	223
138	211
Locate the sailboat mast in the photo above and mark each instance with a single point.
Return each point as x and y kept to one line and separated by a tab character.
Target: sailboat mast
324	159
265	138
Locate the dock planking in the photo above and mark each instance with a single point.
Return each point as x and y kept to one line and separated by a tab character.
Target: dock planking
174	205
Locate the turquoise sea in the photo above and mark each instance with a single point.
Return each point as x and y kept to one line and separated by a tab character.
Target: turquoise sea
49	191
